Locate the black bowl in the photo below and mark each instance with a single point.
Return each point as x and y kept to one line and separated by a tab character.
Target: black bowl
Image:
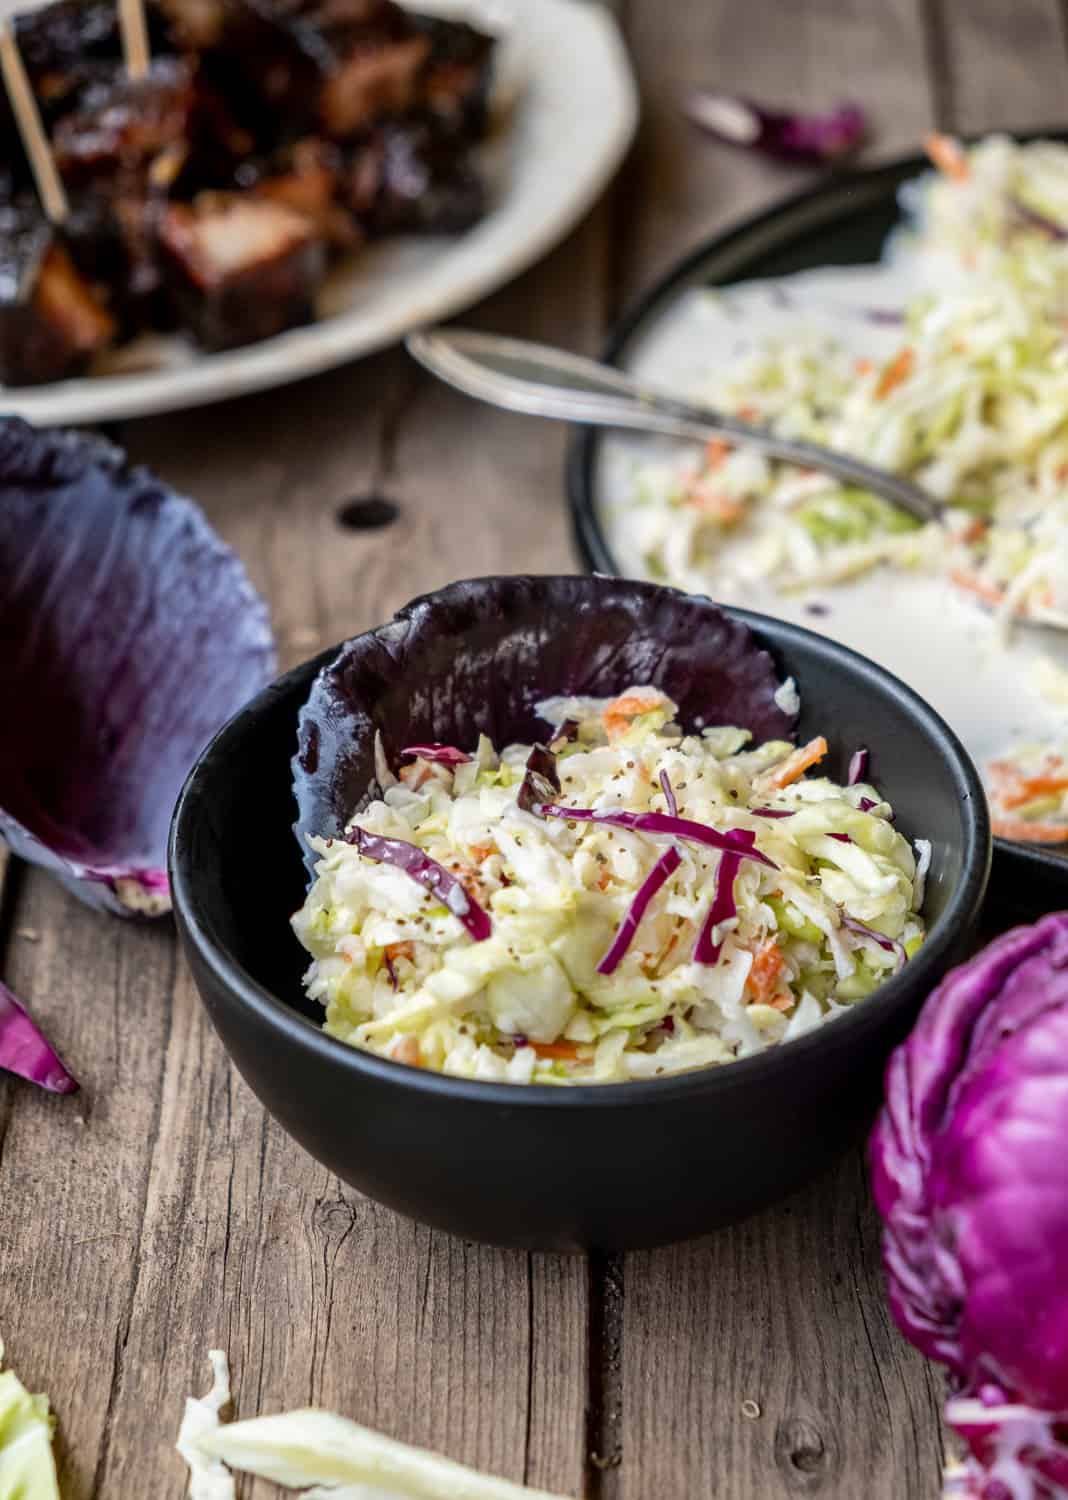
614	1166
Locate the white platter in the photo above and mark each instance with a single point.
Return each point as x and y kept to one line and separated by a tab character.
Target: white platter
574	114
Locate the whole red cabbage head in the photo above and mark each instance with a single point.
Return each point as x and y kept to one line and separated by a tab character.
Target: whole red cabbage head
970	1172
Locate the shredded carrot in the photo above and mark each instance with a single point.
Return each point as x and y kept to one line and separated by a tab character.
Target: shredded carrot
482	852
749	413
711	503
1033	786
406	1050
468	877
863	366
416	774
988	592
1025	832
899	369
561	1051
947	155
975	530
716	452
763	979
619	714
1062	473
797	764
399	950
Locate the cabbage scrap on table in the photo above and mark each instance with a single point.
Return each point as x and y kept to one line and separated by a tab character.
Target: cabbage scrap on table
625	901
324	1455
27	1463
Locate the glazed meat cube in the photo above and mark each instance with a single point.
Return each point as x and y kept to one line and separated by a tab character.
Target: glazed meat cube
333	68
113	240
123	125
371	78
408	177
51	320
241	268
455	86
306	177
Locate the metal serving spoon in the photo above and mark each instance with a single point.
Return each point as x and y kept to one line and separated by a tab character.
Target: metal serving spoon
547	382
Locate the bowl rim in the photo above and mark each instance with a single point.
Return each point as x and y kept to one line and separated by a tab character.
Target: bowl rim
279	1015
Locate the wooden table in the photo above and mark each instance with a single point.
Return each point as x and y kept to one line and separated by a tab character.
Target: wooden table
161	1212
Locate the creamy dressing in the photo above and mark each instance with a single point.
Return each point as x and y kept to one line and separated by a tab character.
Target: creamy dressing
989	689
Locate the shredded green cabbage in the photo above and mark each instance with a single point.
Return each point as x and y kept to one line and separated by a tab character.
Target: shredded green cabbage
398	974
973	405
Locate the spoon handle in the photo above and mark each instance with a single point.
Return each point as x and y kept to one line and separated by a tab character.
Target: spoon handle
546	382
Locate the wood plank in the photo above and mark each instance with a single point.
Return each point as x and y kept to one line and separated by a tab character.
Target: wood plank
786	1310
179	1217
681	185
1003	67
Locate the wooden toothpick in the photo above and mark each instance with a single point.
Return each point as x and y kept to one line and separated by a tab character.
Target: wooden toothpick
134	29
28	119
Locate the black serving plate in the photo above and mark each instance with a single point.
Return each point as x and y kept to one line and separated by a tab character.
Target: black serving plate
614	1166
844	221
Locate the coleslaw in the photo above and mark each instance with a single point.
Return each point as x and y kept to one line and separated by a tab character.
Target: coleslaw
973	404
626	901
1028	791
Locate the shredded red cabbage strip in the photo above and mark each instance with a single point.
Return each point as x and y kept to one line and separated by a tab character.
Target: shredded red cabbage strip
428	873
661	872
669	794
858	766
723	908
891	945
25	1050
772	812
446	755
736	841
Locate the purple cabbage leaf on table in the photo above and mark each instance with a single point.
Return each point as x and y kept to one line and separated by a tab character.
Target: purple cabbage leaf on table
970	1172
803	136
128	635
479	656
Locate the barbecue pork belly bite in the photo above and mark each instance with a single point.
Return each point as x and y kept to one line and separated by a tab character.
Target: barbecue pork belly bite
241	268
52	321
209	195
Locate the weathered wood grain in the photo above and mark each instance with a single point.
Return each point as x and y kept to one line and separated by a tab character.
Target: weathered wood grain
1001	66
682	186
787	1312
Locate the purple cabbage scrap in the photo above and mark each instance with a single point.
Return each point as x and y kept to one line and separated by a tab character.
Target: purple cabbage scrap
790	135
129	634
